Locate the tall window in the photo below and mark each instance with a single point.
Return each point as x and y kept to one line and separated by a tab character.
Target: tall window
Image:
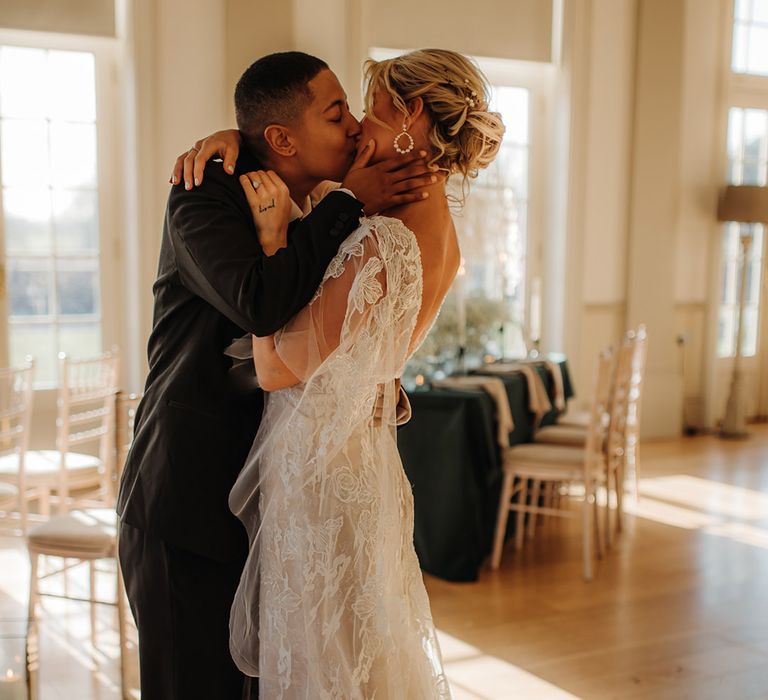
48	162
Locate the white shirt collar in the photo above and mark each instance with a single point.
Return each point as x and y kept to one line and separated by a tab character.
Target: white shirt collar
300	213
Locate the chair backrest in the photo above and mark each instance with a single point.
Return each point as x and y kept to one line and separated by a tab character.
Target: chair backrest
16	397
86	411
126	417
620	392
599	415
634	396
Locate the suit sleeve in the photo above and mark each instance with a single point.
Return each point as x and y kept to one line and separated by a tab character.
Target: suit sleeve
219	257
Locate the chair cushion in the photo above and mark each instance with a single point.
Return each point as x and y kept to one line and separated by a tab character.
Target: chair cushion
546	453
574	419
546	462
89	532
561	435
45	463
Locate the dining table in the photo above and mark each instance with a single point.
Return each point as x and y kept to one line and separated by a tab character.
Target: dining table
454	462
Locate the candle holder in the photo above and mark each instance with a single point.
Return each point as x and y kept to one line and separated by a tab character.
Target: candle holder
18	677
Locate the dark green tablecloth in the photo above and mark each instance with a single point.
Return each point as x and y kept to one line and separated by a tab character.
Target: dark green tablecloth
452	459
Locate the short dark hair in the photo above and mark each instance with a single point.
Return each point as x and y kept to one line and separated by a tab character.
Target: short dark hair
274	90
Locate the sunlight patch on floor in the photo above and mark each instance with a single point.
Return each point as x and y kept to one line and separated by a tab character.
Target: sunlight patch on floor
713	496
473	674
715	508
667	514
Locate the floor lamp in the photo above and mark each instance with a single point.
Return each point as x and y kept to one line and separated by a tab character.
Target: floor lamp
747	205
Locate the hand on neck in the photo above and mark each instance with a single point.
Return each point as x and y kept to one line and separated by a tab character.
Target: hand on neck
436	200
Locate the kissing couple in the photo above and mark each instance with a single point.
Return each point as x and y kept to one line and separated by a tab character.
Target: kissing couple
266	520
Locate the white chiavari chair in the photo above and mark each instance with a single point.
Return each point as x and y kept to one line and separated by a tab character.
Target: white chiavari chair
87	536
630	440
85	417
542	464
623	434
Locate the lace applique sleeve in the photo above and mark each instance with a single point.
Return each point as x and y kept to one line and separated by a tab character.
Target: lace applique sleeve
355	283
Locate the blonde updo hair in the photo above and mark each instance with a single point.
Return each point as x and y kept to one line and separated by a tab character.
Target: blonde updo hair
465	137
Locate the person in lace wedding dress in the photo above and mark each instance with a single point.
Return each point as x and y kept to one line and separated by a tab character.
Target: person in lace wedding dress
331	602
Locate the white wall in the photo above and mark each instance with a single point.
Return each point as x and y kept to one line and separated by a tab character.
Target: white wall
699	234
517	29
93	17
174	93
253	28
603	46
644	180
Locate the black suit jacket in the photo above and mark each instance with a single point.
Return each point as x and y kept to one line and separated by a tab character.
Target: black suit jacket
196	423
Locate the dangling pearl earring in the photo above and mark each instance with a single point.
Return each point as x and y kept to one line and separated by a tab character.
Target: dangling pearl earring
409	147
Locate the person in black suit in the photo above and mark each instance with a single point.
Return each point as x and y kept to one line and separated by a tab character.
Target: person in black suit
181	549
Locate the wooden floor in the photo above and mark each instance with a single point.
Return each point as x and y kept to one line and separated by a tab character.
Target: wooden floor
678	609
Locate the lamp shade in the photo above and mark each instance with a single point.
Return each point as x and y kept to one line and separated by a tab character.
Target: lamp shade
747	204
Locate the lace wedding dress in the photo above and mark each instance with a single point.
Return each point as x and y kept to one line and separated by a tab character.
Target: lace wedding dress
331	603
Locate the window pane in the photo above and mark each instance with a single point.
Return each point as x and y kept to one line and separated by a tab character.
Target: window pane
510	169
755	134
725	332
75	221
757	55
754	278
735	135
29	289
731	240
740	47
735	171
77	289
71	86
753	173
80	339
512	101
750	38
21	71
758	233
24	146
760	11
38	340
27	214
749	331
73	154
743	9
730	280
